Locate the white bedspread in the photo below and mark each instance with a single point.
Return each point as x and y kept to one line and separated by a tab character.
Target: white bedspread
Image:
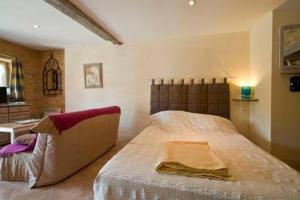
131	173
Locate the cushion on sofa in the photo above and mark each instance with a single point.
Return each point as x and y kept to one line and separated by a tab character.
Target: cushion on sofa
11	149
25	139
44	126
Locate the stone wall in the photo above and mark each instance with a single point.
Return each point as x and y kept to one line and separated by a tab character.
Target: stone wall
54	100
33	62
31	67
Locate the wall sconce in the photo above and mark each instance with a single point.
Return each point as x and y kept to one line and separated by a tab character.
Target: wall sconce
246	92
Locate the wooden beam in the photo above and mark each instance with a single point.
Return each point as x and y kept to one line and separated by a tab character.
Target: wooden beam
69	9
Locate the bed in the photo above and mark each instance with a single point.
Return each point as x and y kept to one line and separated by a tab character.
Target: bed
131	174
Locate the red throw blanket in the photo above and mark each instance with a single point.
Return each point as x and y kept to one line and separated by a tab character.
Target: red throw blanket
65	121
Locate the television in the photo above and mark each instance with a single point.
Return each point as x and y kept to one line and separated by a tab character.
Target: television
3	95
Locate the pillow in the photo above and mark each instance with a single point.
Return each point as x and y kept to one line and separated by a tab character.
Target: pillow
25	139
44	126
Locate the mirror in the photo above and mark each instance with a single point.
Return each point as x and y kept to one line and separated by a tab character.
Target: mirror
51	77
290	48
51	80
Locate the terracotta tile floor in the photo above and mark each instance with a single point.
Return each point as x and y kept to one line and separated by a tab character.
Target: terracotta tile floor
78	186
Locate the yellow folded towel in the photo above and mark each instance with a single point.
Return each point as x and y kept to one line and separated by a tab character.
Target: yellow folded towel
193	159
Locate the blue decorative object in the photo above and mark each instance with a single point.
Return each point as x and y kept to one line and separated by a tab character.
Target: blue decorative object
246	92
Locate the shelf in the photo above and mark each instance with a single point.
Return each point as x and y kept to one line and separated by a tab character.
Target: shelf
240	99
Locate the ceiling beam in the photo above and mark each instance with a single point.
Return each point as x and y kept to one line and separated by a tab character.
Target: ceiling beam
69	9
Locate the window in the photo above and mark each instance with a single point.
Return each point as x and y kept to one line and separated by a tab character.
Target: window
3	74
5	69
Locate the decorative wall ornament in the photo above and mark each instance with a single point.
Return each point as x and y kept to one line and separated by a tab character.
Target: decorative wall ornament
51	77
93	75
290	48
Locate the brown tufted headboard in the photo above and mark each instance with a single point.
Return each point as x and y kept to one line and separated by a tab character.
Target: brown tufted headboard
212	98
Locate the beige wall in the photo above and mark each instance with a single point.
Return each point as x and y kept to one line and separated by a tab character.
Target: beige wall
285	104
275	118
260	76
128	70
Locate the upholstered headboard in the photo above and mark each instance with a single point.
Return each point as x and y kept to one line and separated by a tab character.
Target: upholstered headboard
206	98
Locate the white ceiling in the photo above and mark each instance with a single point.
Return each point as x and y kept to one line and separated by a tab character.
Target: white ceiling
132	21
17	18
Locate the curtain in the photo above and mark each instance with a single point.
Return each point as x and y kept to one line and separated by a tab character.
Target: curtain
16	82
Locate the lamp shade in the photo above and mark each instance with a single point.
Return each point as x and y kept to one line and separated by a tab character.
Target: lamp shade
246	92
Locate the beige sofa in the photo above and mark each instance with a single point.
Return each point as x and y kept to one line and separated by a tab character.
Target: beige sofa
58	155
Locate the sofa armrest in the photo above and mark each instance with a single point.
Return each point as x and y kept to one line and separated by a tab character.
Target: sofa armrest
36	164
44	126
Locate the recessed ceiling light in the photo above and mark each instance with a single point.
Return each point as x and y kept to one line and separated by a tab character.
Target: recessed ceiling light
36	26
192	2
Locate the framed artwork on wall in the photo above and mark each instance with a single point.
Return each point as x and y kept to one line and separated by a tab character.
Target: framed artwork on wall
93	75
290	48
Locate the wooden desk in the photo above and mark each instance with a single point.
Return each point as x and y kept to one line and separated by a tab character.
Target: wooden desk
11	112
13	128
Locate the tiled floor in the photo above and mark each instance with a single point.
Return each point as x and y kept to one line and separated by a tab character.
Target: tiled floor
78	186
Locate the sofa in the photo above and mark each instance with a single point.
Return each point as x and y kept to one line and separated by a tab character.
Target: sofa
64	145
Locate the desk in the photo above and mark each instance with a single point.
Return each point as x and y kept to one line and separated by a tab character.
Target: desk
13	128
11	112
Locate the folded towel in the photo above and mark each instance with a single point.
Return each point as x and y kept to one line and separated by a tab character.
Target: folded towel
193	159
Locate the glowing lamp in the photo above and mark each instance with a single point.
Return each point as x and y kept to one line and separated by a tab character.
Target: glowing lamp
246	92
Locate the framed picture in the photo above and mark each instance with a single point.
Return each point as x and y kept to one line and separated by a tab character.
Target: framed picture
290	48
93	75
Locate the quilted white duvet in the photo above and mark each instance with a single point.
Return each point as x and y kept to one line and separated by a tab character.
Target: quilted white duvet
131	173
